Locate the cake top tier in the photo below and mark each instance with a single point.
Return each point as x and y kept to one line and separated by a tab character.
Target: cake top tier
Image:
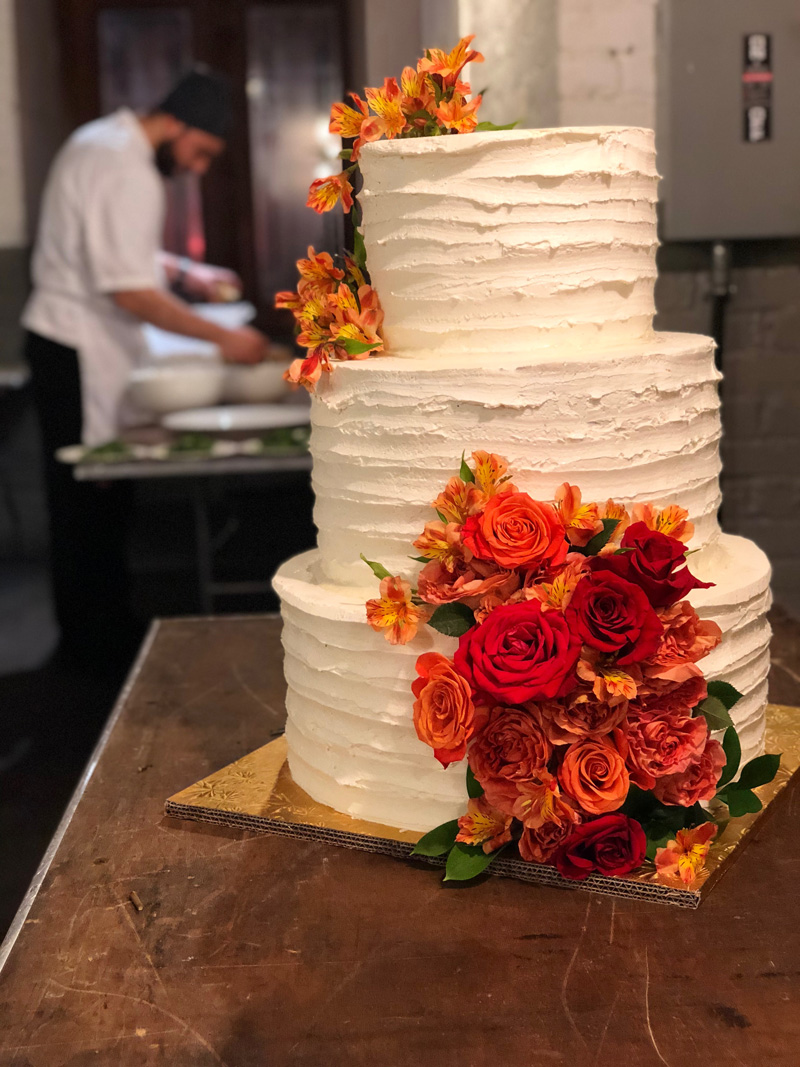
514	239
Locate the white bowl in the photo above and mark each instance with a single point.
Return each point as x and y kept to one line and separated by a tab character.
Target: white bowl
176	387
259	384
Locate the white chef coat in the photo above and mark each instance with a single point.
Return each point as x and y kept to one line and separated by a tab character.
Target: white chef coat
100	231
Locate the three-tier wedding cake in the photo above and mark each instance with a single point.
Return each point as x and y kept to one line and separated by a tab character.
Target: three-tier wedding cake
516	271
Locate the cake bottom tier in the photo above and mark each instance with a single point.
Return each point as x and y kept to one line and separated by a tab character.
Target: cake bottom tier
350	733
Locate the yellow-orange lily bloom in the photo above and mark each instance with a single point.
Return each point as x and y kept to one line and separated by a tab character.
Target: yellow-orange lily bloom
394	612
325	193
684	858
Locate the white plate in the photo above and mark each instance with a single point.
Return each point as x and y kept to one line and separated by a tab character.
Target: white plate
238	417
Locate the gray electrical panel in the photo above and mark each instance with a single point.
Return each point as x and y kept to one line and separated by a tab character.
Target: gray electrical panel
729	118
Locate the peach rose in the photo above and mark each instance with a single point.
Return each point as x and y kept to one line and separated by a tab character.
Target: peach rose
686	639
541	844
511	747
579	715
517	531
444	715
698	782
437	584
663	744
660	697
594	773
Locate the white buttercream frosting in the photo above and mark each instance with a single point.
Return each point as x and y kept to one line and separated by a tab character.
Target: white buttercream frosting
352	743
500	242
639	424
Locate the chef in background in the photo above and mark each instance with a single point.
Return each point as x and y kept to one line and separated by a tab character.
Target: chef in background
98	275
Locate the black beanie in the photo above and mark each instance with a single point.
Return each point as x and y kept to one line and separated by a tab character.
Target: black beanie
202	99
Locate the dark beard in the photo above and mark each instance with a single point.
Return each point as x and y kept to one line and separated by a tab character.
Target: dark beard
165	160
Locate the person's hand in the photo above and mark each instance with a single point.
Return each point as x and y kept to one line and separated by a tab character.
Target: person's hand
245	345
212	284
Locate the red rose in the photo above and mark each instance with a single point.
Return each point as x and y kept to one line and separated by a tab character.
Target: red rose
519	653
655	562
662	744
612	845
614	616
515	530
698	782
511	747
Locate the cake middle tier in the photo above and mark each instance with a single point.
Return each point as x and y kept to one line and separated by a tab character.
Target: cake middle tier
637	424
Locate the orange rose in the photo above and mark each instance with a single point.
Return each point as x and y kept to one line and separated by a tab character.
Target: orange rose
594	774
444	715
517	531
579	715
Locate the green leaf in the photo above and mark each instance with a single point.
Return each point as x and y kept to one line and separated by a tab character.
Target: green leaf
356	348
442	518
359	249
716	714
733	750
466	471
757	772
725	693
420	559
377	568
438	841
654	843
452	620
474	787
467	861
742	802
599	540
346	153
485	127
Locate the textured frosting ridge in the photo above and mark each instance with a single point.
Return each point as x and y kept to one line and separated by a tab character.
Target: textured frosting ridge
639	423
512	240
351	736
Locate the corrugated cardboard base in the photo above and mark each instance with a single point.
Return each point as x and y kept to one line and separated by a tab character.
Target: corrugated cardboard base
258	793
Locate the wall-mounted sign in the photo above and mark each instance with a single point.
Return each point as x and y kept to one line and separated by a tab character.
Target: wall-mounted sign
757	80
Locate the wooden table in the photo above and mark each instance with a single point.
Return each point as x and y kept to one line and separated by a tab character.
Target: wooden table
258	952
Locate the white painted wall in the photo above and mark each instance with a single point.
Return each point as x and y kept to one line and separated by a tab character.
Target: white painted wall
12	202
607	62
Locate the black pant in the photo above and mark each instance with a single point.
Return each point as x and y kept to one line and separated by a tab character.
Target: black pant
88	524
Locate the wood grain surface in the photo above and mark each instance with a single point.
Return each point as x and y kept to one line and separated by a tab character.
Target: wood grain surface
255	951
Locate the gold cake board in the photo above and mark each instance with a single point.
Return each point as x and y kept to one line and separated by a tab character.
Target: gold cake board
257	793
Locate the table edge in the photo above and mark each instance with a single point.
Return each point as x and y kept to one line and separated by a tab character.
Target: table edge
32	892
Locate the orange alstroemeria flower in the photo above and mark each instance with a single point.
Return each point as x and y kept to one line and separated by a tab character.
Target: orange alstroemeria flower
289	300
417	95
582	521
448	66
307	372
672	521
388	120
612	510
442	542
484	825
325	193
320	271
540	802
491	474
684	858
555	595
395	613
345	120
610	683
459	500
458	114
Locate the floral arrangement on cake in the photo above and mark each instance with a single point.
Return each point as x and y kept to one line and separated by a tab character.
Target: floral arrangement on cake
575	694
337	311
